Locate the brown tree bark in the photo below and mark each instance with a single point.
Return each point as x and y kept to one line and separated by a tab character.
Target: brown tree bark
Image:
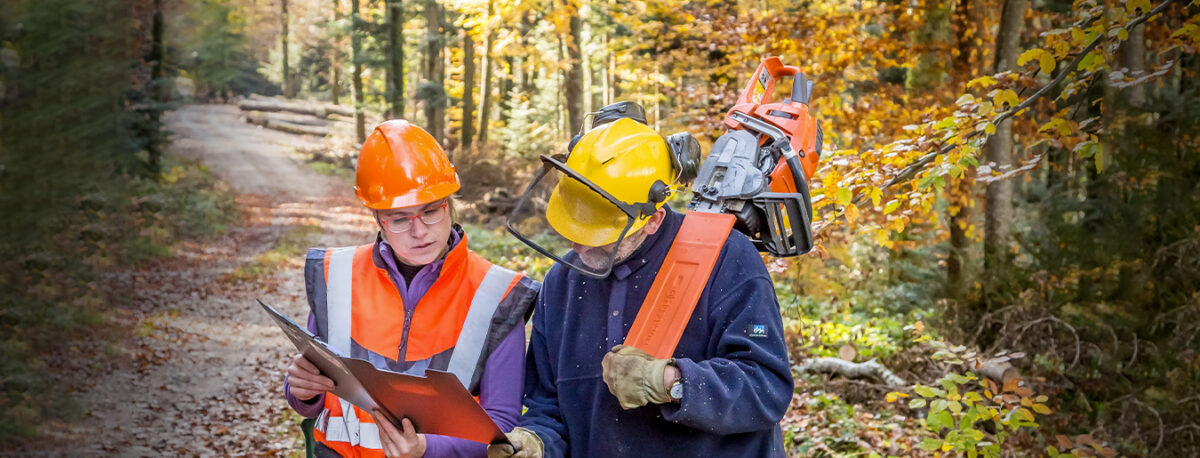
435	71
1133	59
999	216
288	90
360	121
335	57
971	25
929	41
574	77
468	98
395	9
485	92
506	88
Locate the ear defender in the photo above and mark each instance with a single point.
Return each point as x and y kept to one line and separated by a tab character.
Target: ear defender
685	156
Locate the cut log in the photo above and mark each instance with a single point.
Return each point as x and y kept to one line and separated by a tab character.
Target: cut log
276	105
261	119
997	370
852	370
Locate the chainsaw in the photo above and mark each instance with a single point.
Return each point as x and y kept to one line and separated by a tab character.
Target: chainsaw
758	170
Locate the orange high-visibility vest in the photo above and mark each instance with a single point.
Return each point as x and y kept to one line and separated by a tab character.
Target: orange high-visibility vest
469	309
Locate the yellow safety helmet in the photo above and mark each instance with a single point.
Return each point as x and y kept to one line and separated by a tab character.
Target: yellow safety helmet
625	159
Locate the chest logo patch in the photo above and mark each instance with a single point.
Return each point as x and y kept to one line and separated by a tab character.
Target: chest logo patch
757	331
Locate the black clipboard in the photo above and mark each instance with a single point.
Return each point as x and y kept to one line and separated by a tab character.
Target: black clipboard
435	404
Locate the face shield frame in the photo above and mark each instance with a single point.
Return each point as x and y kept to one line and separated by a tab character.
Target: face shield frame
633	211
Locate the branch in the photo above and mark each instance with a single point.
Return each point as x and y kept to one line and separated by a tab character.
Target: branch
915	167
851	369
1161	428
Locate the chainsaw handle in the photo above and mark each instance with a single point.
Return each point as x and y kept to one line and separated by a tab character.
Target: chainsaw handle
762	84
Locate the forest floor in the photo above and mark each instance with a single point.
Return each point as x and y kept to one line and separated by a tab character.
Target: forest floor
199	369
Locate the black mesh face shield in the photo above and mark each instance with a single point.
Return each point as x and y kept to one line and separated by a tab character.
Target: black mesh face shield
578	216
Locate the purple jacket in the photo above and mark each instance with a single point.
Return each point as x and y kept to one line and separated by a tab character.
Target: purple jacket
500	385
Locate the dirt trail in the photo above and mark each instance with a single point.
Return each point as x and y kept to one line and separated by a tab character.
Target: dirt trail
202	373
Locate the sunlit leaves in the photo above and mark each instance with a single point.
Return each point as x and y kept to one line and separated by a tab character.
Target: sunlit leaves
1005	98
1045	59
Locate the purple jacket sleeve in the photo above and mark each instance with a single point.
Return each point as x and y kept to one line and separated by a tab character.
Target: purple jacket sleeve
499	394
312	407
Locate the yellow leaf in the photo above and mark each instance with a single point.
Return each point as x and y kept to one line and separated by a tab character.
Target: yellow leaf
844	196
1028	55
990	129
851	213
1077	36
1132	6
983	81
876	195
1006	96
1041	409
1047	62
891	207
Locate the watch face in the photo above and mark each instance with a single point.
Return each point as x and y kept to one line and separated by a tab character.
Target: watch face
677	390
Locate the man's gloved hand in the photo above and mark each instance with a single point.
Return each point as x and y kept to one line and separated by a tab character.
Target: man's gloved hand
524	444
635	377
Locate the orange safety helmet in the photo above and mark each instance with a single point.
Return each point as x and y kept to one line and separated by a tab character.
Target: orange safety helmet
401	165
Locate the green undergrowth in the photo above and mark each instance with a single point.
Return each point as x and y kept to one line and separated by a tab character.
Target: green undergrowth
500	247
326	168
56	286
288	249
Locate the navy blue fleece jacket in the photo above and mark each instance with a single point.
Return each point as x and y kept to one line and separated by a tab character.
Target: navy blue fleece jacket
736	377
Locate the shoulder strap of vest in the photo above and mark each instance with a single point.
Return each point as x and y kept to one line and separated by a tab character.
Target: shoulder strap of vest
676	289
338	299
473	337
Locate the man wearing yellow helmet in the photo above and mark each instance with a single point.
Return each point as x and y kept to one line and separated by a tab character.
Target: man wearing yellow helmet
729	381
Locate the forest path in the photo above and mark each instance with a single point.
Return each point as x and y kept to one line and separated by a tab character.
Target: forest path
202	371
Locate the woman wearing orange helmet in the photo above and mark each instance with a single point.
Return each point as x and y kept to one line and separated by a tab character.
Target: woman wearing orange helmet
415	299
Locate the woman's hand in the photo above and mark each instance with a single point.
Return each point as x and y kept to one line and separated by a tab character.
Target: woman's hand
305	380
403	443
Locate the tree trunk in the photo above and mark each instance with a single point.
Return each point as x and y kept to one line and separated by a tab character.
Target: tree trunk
335	57
527	71
585	63
360	122
605	76
1133	58
159	90
435	72
999	215
485	93
288	90
506	88
972	34
575	69
930	41
396	56
468	97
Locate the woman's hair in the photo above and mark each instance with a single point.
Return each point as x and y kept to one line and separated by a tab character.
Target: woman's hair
451	209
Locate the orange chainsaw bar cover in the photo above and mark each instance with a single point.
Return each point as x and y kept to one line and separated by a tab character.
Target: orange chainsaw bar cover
676	290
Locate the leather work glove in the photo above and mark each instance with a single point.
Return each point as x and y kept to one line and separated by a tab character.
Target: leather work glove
524	444
635	377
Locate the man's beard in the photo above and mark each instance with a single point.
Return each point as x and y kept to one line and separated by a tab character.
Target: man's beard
597	257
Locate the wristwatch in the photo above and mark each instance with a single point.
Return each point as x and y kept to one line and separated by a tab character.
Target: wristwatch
676	391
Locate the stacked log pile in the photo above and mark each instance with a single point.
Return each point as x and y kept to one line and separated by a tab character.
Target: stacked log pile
292	116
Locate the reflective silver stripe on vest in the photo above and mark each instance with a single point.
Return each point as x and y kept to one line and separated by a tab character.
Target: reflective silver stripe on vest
338	299
367	435
471	340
